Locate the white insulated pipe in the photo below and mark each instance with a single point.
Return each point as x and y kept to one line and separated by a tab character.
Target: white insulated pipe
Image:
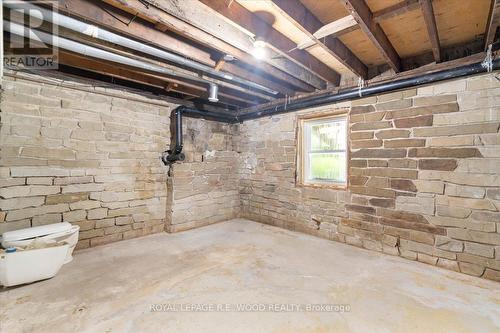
95	52
108	36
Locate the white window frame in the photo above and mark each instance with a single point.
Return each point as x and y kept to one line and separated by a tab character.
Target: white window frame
303	151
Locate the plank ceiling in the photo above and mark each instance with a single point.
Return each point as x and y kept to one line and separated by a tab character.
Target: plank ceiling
458	21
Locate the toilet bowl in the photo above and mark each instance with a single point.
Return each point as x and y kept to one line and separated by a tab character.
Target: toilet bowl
50	233
27	266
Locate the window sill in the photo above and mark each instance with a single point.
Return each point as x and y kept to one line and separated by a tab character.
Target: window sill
324	186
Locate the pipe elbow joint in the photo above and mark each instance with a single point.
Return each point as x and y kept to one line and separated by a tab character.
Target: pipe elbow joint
168	157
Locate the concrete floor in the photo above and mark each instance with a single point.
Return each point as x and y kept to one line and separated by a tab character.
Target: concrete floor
112	288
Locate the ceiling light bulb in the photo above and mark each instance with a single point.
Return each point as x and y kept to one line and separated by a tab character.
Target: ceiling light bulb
259	43
259	53
259	50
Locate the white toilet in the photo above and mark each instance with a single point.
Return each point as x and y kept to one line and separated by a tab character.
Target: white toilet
37	253
57	232
27	266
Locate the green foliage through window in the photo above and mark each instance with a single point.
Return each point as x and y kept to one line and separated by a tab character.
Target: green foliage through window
325	143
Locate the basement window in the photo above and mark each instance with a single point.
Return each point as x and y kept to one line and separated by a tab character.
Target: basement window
323	151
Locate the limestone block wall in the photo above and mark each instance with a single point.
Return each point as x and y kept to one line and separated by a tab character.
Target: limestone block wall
74	152
424	176
82	157
203	189
424	173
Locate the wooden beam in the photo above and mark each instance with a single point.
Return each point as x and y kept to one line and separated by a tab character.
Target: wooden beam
280	43
336	26
430	22
426	59
170	86
201	16
228	85
255	75
106	68
362	13
333	29
431	68
492	24
396	10
219	64
169	22
303	19
109	18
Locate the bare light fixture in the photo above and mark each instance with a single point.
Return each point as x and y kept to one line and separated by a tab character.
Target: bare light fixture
259	50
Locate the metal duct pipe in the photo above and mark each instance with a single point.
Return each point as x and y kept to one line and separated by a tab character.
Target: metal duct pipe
212	93
171	156
94	52
108	36
355	93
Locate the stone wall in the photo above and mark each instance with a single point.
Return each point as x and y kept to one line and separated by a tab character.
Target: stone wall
203	189
424	171
91	156
82	157
424	176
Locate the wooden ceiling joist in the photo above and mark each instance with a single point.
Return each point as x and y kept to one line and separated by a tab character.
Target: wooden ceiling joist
254	75
211	32
362	13
303	19
200	16
219	64
334	29
252	23
237	89
492	24
430	22
169	22
105	68
396	10
426	59
107	17
431	68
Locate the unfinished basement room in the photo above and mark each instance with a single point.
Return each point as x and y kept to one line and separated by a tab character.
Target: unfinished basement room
250	166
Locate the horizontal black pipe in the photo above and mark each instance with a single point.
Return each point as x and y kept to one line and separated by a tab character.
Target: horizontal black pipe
208	115
356	93
175	154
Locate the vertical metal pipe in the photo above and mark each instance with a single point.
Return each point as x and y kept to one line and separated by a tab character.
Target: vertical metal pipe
171	156
175	154
212	93
178	130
